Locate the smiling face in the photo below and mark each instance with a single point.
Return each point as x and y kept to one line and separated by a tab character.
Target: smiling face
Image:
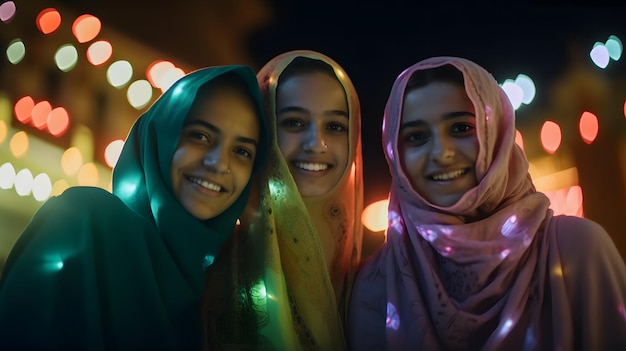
437	143
312	130
214	158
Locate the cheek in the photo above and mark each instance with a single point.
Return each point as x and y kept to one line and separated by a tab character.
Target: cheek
287	142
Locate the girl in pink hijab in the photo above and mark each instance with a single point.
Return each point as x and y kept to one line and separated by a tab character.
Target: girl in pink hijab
474	258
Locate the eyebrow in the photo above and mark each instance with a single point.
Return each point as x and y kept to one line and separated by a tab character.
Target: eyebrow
303	110
218	131
446	116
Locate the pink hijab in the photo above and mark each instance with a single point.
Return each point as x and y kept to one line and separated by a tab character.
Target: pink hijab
455	284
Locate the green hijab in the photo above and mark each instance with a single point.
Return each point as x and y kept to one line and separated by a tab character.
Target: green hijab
95	270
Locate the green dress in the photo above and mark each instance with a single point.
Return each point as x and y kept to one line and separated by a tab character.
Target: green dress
101	271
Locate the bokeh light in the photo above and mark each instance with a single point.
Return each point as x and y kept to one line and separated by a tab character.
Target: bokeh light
7	176
23	182
514	92
588	127
550	136
59	187
99	52
66	57
16	50
7	11
86	27
19	144
42	187
112	152
48	20
71	161
119	73
600	55
40	114
88	175
139	93
614	46
528	88
24	108
4	130
374	216
58	121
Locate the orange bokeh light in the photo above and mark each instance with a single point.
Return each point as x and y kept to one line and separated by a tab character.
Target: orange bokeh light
157	70
588	127
48	20
550	136
86	27
40	114
58	121
24	108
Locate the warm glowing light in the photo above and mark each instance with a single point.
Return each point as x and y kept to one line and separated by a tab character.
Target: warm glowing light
566	201
16	51
170	77
588	127
48	20
66	57
71	161
550	136
112	152
42	187
119	73
7	11
83	139
374	216
7	176
40	114
59	187
600	55
24	108
519	140
88	175
23	182
139	93
99	52
624	109
156	71
4	130
58	121
86	27
19	144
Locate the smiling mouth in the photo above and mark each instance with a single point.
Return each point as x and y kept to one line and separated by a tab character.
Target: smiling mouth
448	175
313	167
207	185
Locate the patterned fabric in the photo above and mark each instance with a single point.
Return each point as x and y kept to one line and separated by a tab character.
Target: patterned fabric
95	270
509	278
311	245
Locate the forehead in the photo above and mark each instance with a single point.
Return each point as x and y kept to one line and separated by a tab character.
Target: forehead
435	100
307	87
227	108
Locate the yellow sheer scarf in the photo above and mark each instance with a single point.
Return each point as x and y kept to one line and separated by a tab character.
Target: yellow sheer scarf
310	246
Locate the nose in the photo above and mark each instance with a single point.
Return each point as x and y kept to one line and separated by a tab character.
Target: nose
443	150
313	141
216	160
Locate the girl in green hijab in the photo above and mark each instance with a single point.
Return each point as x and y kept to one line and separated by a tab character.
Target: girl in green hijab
95	270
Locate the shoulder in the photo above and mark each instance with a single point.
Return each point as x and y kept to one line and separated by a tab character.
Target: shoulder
577	235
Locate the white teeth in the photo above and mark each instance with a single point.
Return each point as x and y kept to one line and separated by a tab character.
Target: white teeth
205	184
449	175
312	166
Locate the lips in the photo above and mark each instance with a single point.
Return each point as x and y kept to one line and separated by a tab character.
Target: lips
206	184
447	176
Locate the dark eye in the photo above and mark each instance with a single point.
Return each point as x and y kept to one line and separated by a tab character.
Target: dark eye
337	127
463	128
244	152
416	138
291	123
198	135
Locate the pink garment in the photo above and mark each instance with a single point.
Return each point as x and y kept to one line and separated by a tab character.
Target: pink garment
511	280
